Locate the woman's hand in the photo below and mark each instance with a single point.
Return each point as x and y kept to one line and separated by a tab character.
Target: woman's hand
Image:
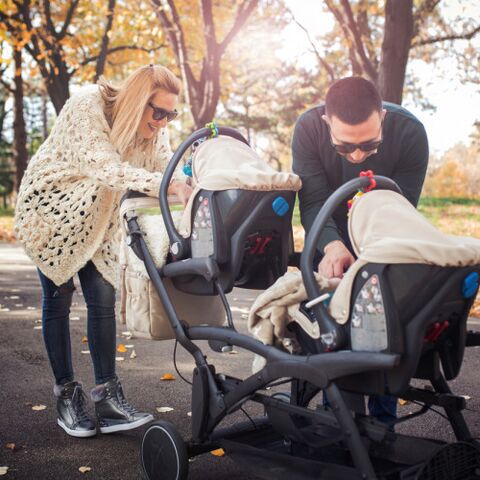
181	190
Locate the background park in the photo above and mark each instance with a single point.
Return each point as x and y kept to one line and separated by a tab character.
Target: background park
251	64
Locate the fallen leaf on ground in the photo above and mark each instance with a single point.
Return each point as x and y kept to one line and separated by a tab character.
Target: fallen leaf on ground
126	334
85	469
121	348
233	352
219	452
84	339
119	359
38	408
3	470
31	308
74	318
133	354
38	321
189	414
19	304
85	352
11	446
164	409
167	376
37	327
13	297
130	345
402	402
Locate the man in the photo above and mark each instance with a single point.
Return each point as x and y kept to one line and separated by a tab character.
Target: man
332	143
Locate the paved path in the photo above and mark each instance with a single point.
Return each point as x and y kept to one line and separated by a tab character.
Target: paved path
46	452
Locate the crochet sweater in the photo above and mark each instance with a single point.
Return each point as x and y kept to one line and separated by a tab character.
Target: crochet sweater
67	206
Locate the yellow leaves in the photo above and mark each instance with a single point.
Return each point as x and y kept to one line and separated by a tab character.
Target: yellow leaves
121	348
167	377
402	402
10	446
3	470
164	409
219	452
84	339
85	469
39	408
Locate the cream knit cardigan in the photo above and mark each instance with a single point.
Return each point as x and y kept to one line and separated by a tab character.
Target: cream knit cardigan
67	206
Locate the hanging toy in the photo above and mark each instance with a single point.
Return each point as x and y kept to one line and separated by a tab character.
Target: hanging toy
362	191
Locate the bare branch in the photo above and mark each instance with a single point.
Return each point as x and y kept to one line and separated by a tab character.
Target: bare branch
243	12
320	59
444	38
421	14
68	19
48	18
118	49
357	41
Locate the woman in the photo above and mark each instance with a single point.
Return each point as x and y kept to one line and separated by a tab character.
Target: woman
106	140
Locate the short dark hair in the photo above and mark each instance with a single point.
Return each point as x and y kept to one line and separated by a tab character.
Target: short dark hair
352	100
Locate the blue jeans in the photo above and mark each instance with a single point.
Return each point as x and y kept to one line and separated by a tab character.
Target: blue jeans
383	408
100	299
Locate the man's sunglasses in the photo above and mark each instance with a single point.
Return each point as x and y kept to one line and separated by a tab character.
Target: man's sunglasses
366	147
345	148
161	113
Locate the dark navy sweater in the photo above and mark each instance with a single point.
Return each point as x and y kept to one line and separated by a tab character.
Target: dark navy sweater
402	156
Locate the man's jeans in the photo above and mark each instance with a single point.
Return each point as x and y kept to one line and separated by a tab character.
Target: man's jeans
100	299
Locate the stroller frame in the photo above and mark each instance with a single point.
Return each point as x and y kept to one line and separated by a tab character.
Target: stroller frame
337	441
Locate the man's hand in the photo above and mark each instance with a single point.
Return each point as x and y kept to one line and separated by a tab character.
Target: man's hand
181	190
336	260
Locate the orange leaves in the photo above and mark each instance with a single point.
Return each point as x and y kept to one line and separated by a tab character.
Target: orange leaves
167	377
219	452
121	348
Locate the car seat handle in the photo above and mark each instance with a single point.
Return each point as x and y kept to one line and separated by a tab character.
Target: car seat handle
179	244
332	334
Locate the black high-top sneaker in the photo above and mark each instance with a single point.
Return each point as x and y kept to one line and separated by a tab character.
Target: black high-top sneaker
72	411
114	413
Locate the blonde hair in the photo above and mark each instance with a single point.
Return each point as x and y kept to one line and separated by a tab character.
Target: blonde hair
124	105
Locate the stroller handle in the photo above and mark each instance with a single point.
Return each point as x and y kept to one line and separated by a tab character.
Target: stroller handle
178	244
332	334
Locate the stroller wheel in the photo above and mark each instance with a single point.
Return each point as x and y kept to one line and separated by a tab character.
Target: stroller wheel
163	453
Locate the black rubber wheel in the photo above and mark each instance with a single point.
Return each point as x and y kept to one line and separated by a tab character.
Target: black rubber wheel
163	453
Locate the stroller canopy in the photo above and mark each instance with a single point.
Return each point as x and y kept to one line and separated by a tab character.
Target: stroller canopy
385	228
224	163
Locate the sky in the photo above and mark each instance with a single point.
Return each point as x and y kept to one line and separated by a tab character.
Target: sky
457	105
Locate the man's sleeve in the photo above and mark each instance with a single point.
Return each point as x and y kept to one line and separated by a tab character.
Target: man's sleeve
315	189
412	167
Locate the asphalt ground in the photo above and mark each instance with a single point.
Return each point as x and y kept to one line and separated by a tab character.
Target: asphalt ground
42	450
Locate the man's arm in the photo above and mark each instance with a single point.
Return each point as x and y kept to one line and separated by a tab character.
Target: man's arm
315	189
412	168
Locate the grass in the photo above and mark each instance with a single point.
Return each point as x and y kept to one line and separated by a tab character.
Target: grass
456	216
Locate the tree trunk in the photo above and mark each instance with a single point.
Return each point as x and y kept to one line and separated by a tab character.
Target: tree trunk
58	90
102	57
395	49
20	154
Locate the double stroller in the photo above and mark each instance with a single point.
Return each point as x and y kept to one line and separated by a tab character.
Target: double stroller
399	314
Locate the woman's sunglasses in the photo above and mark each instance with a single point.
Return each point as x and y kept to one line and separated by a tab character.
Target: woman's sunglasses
161	113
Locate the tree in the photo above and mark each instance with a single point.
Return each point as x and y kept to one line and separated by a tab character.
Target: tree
202	85
380	39
66	37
